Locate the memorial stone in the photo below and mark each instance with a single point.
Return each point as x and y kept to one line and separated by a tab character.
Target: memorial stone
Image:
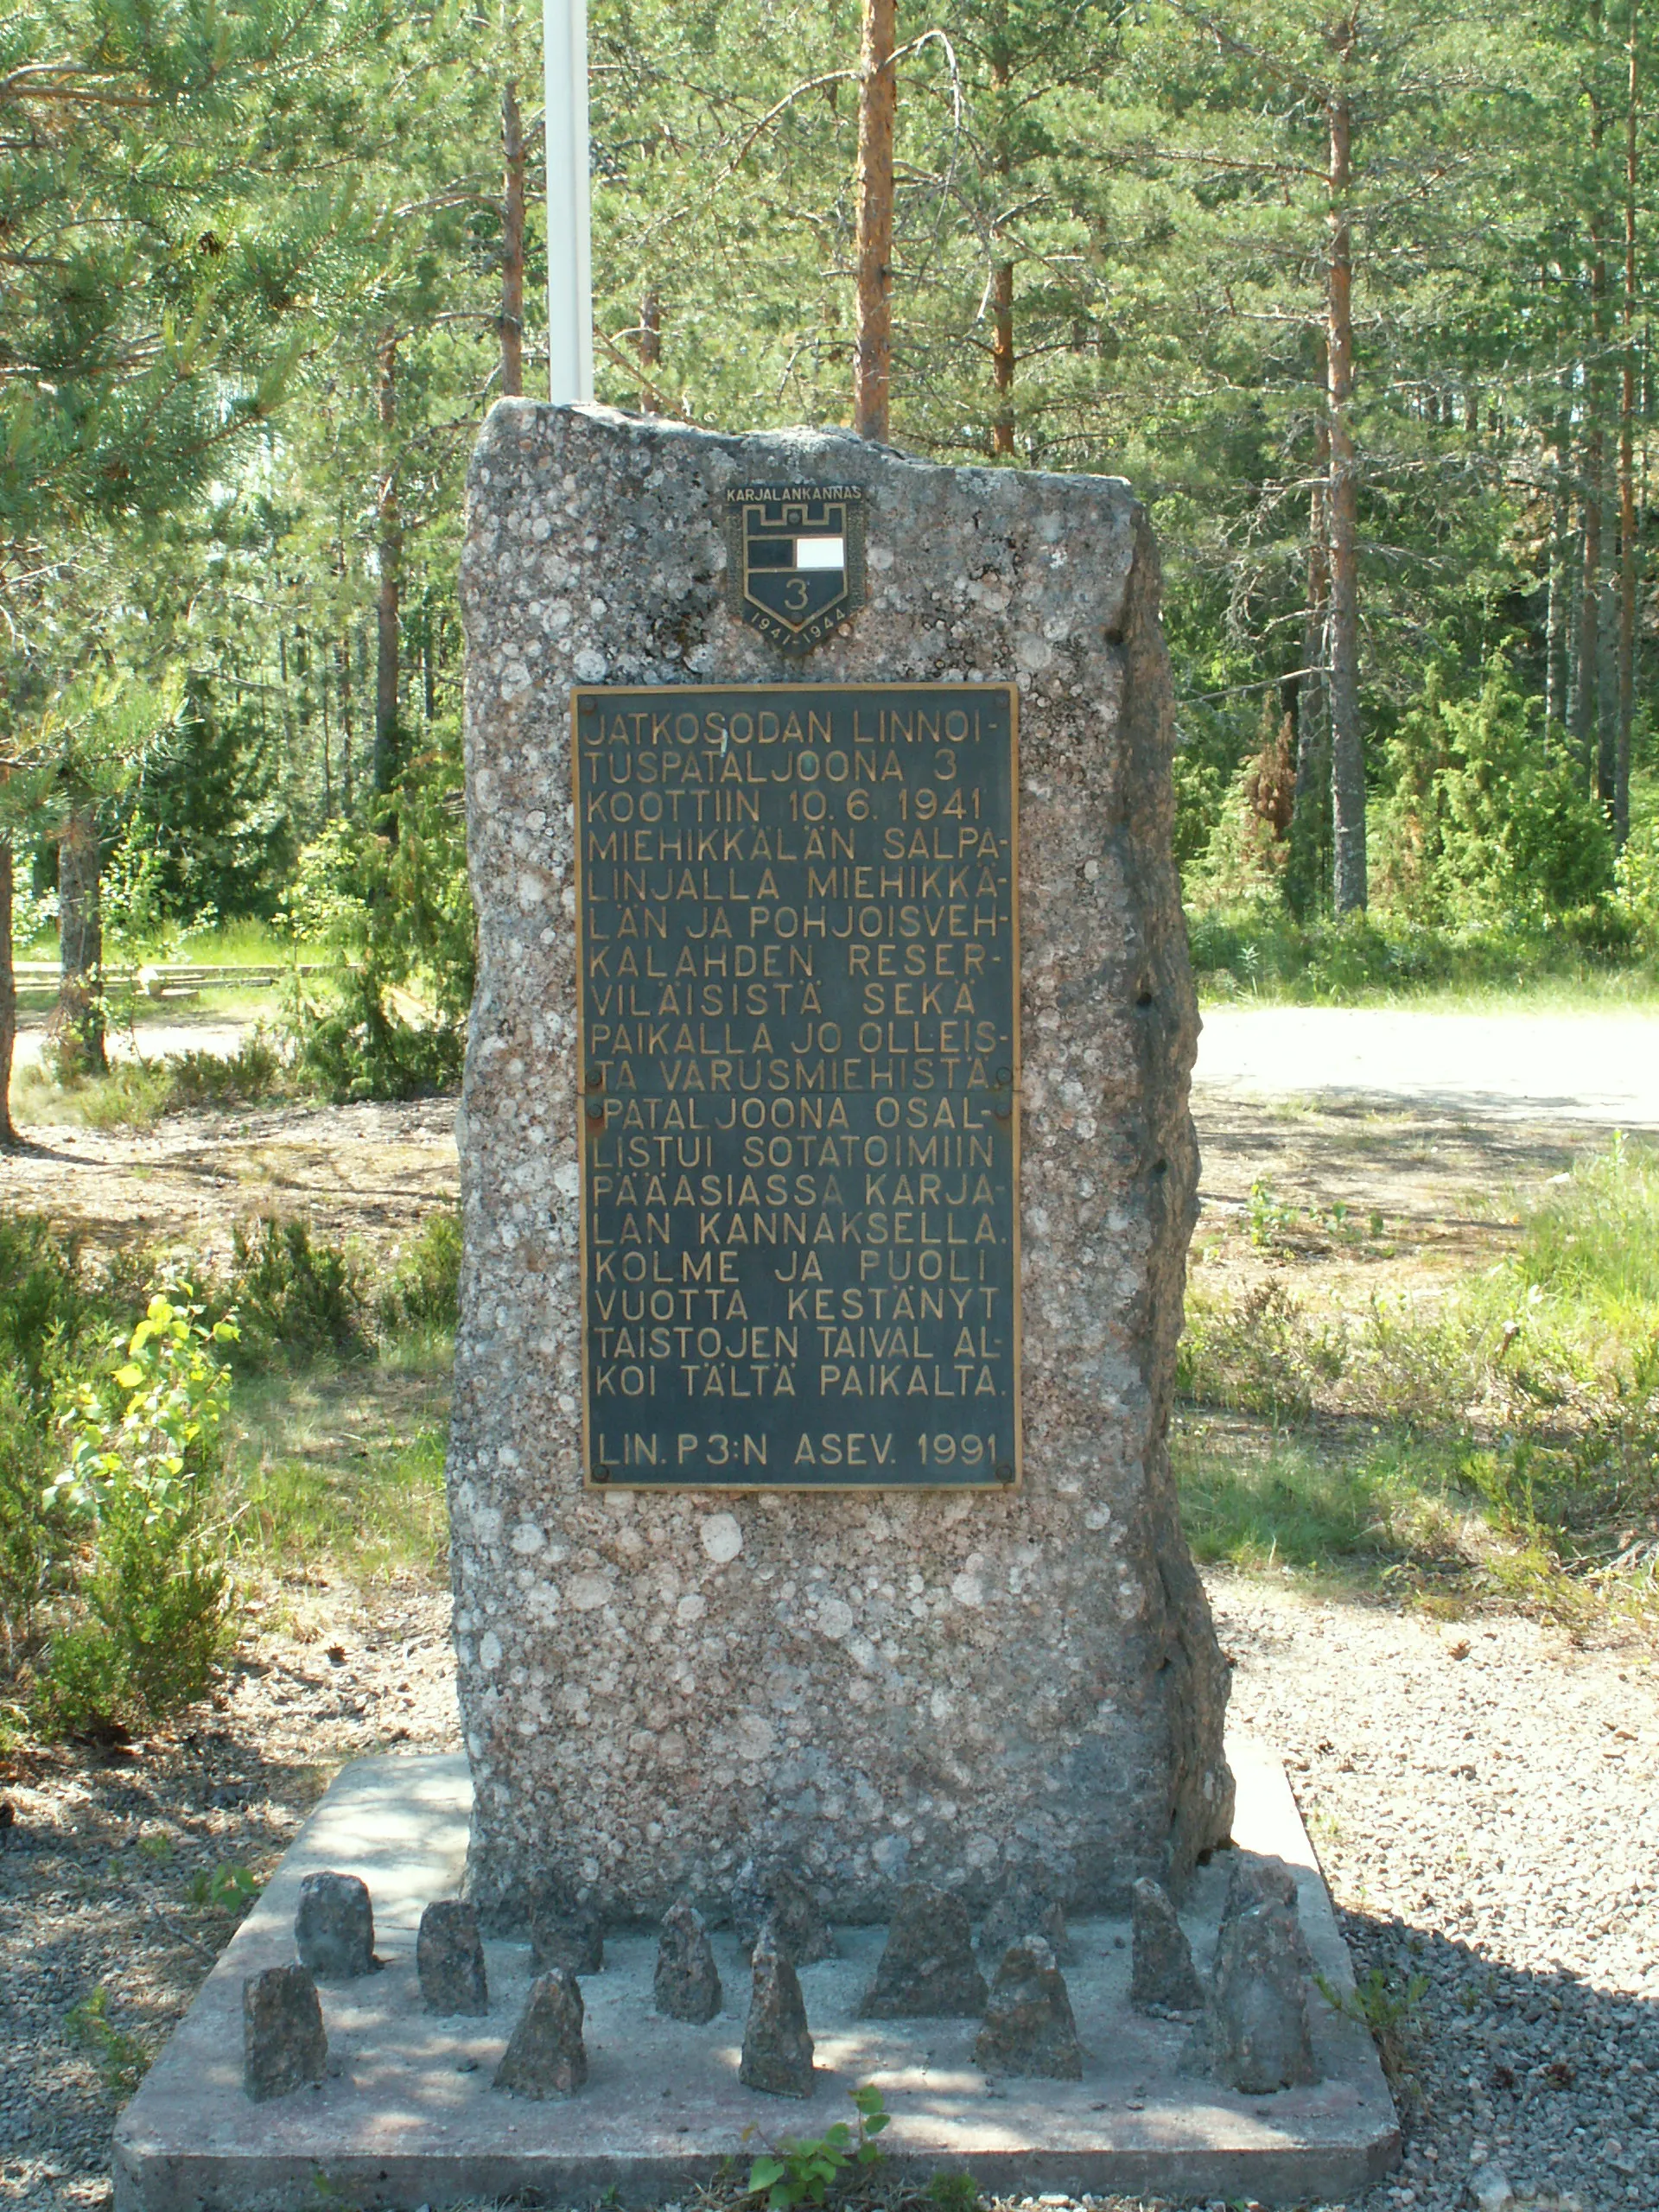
827	1177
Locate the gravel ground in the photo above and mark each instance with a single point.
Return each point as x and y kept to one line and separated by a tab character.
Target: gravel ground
1483	1794
1483	1797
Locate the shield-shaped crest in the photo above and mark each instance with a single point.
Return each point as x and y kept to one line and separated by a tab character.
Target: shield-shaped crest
795	565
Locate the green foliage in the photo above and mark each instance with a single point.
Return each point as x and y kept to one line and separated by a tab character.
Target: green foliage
1261	955
1260	1355
227	1887
294	1298
1390	2011
1489	824
802	2172
122	2058
395	906
44	1304
207	831
1636	897
146	1450
424	1292
952	2192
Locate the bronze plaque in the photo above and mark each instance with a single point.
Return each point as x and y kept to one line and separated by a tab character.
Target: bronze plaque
795	559
798	939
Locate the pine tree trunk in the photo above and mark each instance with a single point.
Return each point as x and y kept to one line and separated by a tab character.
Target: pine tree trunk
1627	543
1349	883
1559	596
390	546
8	999
1311	815
512	243
1001	273
80	937
651	351
1586	732
347	797
872	347
1002	355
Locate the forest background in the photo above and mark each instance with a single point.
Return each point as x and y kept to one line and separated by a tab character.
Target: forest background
1358	300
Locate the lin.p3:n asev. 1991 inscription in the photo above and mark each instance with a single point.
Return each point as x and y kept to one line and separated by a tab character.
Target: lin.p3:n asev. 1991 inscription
798	953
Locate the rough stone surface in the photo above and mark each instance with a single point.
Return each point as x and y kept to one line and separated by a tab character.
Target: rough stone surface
1029	2026
333	1927
873	1687
1023	1906
572	1937
686	1985
1256	2028
1164	1978
777	2046
1255	1879
449	1959
778	1894
545	2055
283	2045
928	1965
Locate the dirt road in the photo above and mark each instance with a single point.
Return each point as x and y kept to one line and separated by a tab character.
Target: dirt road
1530	1067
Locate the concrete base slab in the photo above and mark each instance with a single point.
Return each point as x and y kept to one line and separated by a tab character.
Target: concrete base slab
407	2116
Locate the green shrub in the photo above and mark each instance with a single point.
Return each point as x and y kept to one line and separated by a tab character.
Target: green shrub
1259	1355
425	1291
256	1071
1488	824
393	903
43	1302
294	1299
146	1452
30	1544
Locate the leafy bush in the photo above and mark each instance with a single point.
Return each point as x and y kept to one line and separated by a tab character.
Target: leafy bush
425	1292
146	1451
294	1299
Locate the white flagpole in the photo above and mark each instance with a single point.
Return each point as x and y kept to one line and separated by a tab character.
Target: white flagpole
569	276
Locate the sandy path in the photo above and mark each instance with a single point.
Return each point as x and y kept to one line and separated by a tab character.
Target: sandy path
1536	1067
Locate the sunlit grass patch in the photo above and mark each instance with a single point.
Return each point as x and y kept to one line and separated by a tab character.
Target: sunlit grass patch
343	1463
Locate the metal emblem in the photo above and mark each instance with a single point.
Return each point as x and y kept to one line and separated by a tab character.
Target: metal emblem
795	564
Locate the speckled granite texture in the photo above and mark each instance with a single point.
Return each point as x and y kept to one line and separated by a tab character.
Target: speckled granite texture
890	1687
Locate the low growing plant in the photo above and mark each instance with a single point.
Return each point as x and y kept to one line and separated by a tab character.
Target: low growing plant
120	2058
801	2172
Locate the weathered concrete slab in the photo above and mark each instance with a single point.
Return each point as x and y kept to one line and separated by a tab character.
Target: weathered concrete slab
400	2124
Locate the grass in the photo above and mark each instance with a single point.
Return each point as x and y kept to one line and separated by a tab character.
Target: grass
345	1463
1256	955
1500	1438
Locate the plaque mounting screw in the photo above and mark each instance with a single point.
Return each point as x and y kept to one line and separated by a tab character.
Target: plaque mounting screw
1005	1471
596	1109
601	1474
1002	1079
